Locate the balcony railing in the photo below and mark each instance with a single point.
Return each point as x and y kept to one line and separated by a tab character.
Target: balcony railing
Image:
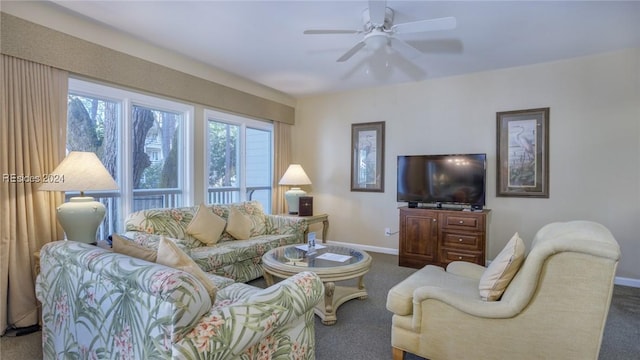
156	198
227	195
166	198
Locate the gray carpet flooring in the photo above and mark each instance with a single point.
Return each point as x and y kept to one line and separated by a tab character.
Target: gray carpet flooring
363	330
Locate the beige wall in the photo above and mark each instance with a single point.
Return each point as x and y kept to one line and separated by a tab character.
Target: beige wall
594	147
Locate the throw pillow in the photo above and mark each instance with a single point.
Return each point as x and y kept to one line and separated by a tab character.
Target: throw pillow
502	269
206	226
169	254
239	225
123	245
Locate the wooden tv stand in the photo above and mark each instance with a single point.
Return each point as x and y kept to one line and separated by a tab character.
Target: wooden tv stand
438	236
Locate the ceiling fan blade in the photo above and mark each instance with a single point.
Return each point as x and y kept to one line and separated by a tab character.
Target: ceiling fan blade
377	11
351	52
445	23
336	31
405	49
408	67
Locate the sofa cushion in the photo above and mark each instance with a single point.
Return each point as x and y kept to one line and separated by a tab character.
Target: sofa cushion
211	258
220	282
127	246
235	292
206	226
239	225
400	297
502	269
170	255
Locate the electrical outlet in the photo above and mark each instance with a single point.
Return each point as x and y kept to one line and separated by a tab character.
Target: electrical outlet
387	232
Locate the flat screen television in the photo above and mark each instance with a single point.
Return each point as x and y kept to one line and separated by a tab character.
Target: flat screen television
442	179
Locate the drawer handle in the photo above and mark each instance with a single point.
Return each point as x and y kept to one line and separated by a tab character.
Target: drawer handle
459	257
461	222
460	240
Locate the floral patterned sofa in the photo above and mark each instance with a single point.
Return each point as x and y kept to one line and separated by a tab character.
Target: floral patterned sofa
240	260
97	304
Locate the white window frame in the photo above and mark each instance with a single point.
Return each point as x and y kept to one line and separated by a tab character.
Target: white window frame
243	123
127	99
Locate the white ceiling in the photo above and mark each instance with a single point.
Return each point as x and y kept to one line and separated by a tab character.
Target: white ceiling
263	40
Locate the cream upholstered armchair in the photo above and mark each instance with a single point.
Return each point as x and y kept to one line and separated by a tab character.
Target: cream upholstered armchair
555	307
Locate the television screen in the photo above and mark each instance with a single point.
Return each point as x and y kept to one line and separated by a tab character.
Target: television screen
448	179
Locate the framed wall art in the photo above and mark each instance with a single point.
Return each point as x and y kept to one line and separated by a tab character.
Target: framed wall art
367	157
523	153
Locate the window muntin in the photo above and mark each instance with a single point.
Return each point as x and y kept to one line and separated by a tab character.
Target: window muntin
239	159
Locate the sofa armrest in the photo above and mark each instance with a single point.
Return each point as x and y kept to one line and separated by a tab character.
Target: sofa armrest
230	329
461	300
466	269
286	225
91	296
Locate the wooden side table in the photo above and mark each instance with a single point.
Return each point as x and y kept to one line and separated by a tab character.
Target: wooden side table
313	219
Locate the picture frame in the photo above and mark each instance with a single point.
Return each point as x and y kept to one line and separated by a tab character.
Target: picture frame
367	156
523	153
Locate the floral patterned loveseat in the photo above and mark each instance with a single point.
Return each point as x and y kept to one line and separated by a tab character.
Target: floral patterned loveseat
240	260
98	304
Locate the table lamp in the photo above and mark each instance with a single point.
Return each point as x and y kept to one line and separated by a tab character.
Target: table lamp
294	176
82	215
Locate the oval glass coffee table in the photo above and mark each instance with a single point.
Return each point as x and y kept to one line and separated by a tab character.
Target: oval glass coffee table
331	264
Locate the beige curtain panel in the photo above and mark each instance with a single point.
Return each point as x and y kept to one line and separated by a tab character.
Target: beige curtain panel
32	136
281	161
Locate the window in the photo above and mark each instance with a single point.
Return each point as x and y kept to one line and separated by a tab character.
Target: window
155	134
239	159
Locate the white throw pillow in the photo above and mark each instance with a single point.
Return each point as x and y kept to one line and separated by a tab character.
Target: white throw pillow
206	226
239	225
502	269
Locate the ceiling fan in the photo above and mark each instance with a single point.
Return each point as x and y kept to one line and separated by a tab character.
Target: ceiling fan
379	31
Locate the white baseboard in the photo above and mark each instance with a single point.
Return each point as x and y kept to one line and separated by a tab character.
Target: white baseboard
377	249
627	282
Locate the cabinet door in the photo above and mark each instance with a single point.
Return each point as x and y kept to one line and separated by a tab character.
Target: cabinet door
420	237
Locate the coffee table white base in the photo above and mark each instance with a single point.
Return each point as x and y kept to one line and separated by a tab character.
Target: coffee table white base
334	295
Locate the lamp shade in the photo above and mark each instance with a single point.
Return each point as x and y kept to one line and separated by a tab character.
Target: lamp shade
82	215
295	175
80	171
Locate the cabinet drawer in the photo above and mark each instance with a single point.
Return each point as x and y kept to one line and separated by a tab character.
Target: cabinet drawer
463	241
449	255
466	222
